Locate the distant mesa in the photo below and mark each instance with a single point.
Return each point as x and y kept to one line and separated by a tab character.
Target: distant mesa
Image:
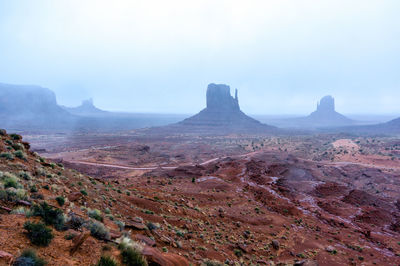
87	108
28	101
326	115
222	112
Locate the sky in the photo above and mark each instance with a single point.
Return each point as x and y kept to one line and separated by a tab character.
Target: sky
159	56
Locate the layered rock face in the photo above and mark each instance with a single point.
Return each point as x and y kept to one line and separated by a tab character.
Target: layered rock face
222	112
326	105
219	98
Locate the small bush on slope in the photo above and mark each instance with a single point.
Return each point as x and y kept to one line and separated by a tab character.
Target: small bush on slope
106	261
133	257
50	215
131	252
98	230
38	233
29	258
7	155
60	200
20	154
95	214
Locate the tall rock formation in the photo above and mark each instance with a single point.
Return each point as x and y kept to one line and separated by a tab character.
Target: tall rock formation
326	115
326	105
219	97
222	113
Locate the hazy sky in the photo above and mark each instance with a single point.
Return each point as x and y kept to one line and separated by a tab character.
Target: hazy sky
159	56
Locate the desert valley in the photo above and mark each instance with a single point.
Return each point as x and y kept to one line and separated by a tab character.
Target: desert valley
217	188
199	133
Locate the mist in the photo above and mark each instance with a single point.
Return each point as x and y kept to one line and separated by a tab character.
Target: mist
159	56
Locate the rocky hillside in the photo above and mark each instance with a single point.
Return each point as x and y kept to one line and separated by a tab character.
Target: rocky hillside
53	214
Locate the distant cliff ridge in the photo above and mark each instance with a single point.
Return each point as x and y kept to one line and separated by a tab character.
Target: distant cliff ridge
18	100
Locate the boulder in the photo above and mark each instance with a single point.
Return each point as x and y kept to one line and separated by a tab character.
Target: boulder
275	244
146	240
135	225
74	196
155	257
5	256
78	241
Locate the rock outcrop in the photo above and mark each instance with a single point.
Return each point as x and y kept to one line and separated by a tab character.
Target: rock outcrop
222	113
87	108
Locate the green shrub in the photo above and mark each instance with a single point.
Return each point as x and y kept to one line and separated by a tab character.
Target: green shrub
7	155
75	222
133	257
212	263
106	261
13	195
3	195
11	181
16	136
98	230
84	192
50	215
20	154
121	225
38	233
60	200
95	214
22	210
238	252
69	236
29	258
25	175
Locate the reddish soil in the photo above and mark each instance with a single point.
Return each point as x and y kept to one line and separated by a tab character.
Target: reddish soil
266	199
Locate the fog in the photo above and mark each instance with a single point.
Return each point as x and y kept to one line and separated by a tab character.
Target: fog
159	56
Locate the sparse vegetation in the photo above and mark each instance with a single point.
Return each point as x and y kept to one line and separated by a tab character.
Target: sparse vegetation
7	155
133	257
29	258
50	215
38	233
20	154
95	214
98	230
60	200
106	261
75	222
